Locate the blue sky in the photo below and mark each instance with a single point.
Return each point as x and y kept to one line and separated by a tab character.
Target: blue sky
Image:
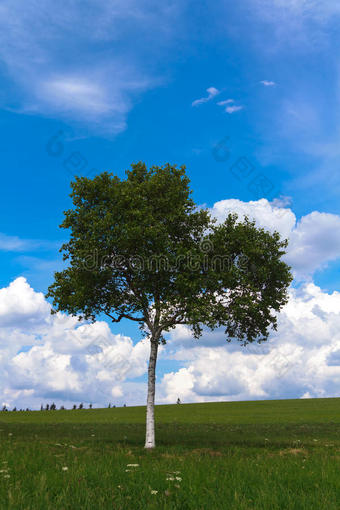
88	86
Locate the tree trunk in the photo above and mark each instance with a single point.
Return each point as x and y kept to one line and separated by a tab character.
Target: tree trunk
150	416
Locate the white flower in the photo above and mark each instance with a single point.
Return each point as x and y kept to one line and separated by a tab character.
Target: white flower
132	465
178	478
153	492
64	468
10	434
126	470
3	470
7	476
170	477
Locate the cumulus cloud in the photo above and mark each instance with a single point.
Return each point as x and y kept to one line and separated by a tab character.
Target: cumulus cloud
314	239
55	357
300	359
212	92
45	357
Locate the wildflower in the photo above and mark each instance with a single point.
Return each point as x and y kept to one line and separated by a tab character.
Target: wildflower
178	478
64	468
132	465
177	486
3	470
10	434
126	470
170	478
7	476
92	435
153	491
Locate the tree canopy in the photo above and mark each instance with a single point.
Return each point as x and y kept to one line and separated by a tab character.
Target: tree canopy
141	249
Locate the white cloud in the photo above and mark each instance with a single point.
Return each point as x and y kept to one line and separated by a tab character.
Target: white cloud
265	214
301	358
78	93
301	24
233	109
230	109
212	92
54	357
227	101
76	61
20	304
267	83
314	240
15	243
45	358
12	243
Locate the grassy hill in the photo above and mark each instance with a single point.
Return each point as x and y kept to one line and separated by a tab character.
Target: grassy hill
278	454
321	410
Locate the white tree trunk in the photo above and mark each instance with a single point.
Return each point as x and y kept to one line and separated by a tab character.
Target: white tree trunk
150	416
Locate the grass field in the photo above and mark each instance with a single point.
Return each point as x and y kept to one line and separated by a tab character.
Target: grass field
266	455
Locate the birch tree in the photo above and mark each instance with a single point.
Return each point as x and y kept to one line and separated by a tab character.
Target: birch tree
140	249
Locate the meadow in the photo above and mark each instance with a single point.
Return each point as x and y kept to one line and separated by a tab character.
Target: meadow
267	455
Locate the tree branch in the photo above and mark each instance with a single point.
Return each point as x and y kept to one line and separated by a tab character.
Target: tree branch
125	316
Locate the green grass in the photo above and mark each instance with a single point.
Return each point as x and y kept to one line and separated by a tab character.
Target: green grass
238	455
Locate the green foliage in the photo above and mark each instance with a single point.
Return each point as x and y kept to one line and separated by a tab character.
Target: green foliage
141	249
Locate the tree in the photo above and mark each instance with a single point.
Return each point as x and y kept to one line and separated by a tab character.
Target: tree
140	249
